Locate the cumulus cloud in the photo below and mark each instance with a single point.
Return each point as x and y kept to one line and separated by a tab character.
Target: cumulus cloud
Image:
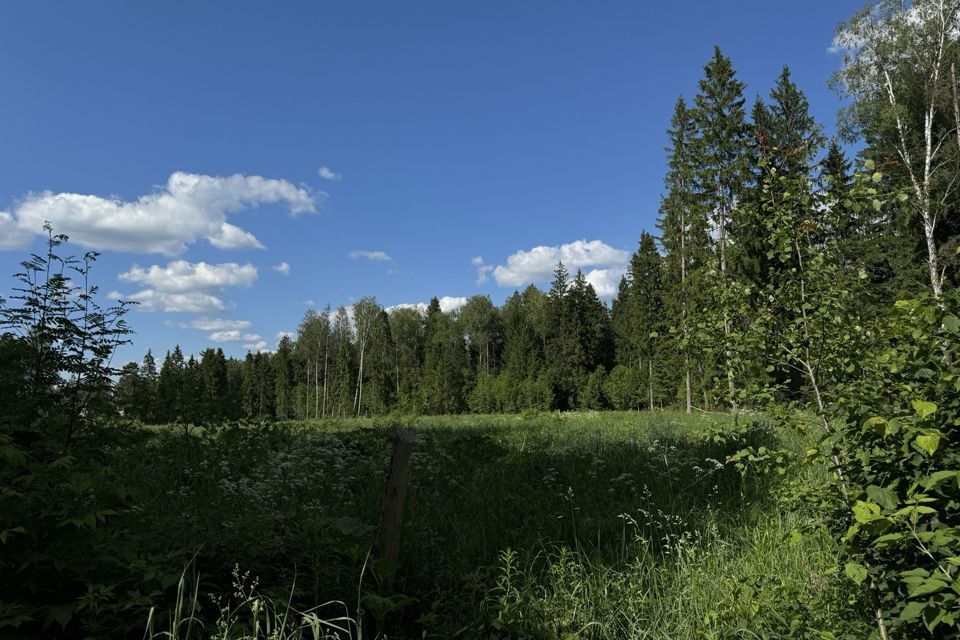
11	235
329	174
189	207
259	345
538	264
183	286
483	269
376	256
283	268
448	304
215	324
180	275
233	237
233	336
605	282
192	302
286	334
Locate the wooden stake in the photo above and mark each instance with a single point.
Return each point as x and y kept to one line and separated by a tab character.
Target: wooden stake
394	496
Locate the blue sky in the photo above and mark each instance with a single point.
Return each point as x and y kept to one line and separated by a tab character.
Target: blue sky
203	145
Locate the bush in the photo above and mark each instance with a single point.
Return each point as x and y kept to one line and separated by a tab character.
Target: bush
900	448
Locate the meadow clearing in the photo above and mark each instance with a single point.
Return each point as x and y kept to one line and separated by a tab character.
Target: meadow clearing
542	525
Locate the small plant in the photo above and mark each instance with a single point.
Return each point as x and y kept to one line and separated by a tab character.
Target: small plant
248	614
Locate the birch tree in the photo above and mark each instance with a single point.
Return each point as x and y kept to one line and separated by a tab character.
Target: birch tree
365	312
899	69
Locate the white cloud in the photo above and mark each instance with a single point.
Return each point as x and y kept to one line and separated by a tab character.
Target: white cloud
606	282
183	286
215	324
283	268
259	345
233	336
189	207
181	275
233	237
329	174
12	236
286	334
538	264
192	302
448	304
483	269
376	256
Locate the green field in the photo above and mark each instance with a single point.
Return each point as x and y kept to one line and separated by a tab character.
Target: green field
593	525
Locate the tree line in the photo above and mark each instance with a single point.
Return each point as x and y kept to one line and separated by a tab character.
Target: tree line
676	333
781	273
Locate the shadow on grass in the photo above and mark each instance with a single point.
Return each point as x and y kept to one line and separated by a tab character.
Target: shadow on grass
294	505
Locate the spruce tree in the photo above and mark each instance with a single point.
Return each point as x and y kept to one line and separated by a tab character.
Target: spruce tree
213	374
641	316
445	360
684	235
795	137
560	342
170	386
522	347
721	158
282	363
129	393
722	162
149	376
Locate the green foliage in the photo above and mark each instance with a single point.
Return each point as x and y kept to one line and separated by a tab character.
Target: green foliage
60	566
444	364
901	464
592	396
624	388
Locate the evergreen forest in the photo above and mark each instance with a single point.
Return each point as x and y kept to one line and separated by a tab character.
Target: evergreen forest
756	438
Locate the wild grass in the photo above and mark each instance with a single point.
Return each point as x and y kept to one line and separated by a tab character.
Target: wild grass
589	525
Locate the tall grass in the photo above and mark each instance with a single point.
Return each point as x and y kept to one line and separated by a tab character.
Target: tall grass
592	525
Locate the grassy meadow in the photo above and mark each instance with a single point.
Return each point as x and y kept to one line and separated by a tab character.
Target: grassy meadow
542	525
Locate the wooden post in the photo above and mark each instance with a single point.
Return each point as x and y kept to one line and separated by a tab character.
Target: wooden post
391	516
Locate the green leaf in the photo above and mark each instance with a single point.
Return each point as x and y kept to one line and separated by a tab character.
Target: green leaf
951	323
923	408
883	496
912	611
864	512
928	443
855	571
928	586
913	510
794	538
938	477
876	177
6	533
887	538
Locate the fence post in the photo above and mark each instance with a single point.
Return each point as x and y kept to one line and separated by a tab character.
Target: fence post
394	495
